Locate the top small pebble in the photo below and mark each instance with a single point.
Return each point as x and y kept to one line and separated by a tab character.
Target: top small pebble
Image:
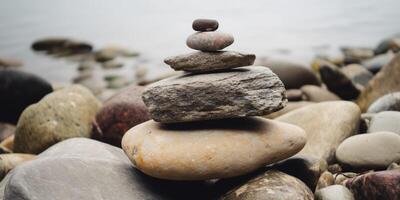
205	25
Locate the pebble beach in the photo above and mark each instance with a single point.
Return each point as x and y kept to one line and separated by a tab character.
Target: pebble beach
218	122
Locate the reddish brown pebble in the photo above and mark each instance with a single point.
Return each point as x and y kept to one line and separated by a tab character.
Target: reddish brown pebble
205	25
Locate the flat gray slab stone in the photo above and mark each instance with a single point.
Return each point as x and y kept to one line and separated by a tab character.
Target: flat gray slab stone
210	61
245	91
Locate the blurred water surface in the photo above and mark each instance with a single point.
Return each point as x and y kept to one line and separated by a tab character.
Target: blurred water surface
295	30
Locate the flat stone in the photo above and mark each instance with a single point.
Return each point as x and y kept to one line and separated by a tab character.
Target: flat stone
293	75
18	90
338	82
315	93
271	185
356	54
388	102
209	41
203	150
334	192
245	91
388	44
205	25
324	132
384	82
210	61
121	112
61	45
376	185
81	168
370	151
385	121
63	114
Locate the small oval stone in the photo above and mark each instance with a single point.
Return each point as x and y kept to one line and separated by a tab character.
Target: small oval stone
209	41
371	151
205	25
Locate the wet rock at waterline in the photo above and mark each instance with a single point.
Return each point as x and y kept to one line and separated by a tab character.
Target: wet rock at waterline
210	61
61	45
205	25
121	112
63	114
209	41
18	90
370	151
245	91
203	150
271	185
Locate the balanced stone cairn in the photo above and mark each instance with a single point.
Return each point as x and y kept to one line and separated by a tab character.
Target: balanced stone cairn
201	127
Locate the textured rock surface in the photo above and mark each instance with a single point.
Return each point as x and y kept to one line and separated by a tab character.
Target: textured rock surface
210	61
203	150
370	151
292	75
324	132
10	161
388	102
209	41
338	82
120	113
376	185
18	90
205	25
318	94
271	185
334	192
81	168
385	121
245	91
384	82
63	114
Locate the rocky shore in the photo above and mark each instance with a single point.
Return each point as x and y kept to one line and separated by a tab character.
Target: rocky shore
224	125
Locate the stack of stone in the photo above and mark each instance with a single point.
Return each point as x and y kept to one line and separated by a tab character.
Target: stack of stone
202	126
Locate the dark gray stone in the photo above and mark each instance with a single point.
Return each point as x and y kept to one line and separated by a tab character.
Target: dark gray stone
18	90
205	25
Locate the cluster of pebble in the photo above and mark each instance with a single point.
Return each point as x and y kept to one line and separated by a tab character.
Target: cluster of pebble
224	129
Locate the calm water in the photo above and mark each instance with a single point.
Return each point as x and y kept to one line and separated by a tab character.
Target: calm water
295	30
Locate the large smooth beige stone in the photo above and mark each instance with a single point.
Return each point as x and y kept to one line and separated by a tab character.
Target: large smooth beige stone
210	149
326	124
